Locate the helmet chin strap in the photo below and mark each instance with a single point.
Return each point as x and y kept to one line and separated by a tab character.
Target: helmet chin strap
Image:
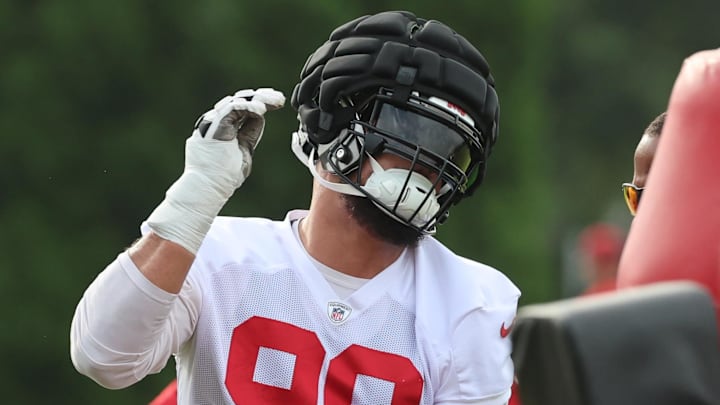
387	187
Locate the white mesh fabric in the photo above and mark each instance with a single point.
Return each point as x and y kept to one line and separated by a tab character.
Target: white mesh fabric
402	334
274	368
238	293
371	390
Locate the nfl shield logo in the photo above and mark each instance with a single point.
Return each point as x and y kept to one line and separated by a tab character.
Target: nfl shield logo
338	312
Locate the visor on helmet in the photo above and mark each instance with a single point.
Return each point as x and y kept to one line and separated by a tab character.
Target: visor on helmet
429	134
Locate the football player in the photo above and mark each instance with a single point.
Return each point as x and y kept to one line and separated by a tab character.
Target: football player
350	301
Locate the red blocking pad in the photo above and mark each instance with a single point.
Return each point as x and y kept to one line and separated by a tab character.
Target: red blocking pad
676	233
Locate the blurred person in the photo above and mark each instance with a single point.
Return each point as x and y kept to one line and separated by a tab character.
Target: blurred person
601	245
350	301
600	248
643	159
676	234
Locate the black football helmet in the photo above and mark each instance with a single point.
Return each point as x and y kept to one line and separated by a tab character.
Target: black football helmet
395	83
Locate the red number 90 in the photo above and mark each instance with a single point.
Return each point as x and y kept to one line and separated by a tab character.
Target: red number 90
258	332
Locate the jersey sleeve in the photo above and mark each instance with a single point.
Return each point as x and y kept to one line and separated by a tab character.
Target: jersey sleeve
481	369
125	327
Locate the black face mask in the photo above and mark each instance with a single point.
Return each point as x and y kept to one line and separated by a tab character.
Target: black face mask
432	136
438	140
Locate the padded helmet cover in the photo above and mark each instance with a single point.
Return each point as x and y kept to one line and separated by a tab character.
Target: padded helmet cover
378	51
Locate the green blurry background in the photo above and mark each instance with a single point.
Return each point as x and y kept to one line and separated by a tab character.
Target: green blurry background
96	99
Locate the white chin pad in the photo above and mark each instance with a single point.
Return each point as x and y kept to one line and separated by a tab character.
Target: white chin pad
387	187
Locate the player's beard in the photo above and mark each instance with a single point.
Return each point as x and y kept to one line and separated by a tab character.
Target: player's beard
379	224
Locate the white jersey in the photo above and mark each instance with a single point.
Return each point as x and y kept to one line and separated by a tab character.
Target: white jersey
265	327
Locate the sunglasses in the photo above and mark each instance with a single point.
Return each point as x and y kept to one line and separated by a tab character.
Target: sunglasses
632	195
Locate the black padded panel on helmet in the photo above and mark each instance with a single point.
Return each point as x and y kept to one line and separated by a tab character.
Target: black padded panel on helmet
391	23
441	36
370	51
352	46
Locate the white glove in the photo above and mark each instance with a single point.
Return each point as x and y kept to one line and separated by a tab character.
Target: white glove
218	159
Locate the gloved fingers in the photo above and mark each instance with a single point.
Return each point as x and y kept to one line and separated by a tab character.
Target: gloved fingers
237	102
272	98
222	103
243	111
251	133
245	93
252	107
232	115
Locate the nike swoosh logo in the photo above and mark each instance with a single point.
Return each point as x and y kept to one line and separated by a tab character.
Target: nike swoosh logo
504	332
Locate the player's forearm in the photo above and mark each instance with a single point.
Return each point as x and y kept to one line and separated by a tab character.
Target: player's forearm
121	330
130	321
